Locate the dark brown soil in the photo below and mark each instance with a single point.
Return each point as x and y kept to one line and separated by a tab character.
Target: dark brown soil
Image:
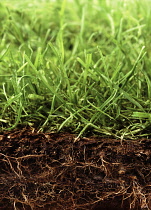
57	171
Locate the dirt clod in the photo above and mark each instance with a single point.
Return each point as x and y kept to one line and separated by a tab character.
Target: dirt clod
53	171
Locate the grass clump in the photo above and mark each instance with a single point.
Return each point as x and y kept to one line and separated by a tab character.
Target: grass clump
76	65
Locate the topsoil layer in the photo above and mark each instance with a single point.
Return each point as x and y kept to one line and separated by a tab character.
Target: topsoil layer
57	172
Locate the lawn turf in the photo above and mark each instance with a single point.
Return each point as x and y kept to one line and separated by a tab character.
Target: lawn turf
81	66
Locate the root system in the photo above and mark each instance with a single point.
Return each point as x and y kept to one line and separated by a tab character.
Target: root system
59	172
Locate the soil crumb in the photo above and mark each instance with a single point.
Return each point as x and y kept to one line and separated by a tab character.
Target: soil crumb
57	171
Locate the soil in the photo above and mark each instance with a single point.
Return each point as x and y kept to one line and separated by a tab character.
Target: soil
57	171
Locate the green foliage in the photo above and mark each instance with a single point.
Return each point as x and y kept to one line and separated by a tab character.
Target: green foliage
82	66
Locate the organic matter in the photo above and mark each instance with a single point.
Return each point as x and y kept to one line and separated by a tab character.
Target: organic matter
59	171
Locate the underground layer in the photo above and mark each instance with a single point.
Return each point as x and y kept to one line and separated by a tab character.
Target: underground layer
60	172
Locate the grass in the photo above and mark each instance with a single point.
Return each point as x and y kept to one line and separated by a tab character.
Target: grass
81	66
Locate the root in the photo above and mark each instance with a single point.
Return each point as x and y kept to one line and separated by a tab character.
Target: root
51	171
